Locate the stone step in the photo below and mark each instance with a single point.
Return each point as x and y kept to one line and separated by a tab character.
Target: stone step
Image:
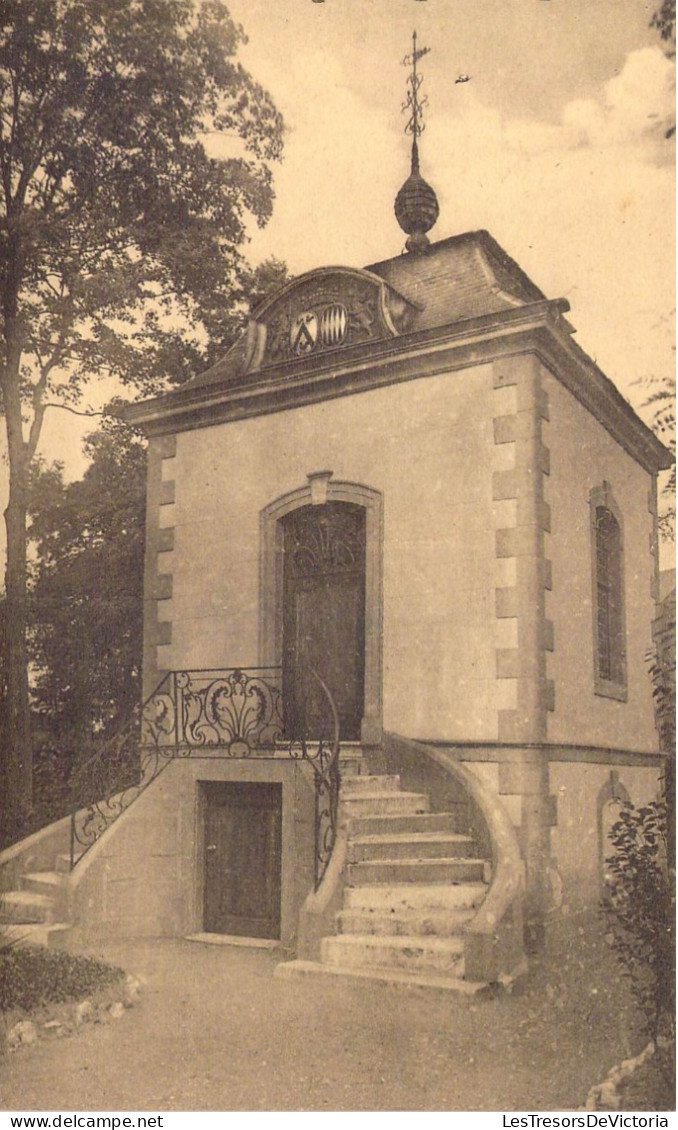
443	923
396	824
392	978
350	760
349	767
394	898
410	845
372	783
411	952
383	803
446	871
26	906
42	882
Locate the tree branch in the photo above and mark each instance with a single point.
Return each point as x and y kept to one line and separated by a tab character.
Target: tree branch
67	408
41	385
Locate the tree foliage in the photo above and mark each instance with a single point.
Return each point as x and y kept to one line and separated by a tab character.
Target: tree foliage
659	409
664	20
662	667
87	590
85	609
118	230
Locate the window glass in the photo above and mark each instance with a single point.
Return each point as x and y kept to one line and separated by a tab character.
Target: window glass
608	582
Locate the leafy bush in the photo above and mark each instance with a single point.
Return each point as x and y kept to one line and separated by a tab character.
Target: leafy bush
662	667
640	909
31	977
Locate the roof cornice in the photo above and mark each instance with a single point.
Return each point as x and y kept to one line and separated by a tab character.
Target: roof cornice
537	327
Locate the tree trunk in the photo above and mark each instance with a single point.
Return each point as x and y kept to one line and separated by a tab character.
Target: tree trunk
16	784
17	759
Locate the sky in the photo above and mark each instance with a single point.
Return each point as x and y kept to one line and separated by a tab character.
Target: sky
555	145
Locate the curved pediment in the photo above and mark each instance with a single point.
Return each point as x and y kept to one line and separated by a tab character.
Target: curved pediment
326	309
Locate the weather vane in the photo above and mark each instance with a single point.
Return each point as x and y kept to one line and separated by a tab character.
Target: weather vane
413	103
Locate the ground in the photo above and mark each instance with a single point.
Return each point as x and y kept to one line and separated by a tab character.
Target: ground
216	1031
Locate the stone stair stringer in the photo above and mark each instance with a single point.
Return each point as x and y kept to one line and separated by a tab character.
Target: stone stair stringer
411	882
493	944
494	948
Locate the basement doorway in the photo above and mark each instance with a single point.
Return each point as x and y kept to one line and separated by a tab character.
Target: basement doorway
242	858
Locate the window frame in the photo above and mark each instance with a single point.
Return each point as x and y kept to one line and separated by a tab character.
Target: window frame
612	650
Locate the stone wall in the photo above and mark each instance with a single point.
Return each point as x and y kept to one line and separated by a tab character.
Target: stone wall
143	877
583	456
426	447
587	798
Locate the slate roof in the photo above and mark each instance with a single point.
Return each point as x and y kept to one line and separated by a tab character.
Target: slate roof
459	278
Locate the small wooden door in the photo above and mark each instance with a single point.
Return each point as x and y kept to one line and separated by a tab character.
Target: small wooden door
243	834
324	618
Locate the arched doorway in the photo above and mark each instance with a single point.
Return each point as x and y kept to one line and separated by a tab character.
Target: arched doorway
323	618
321	600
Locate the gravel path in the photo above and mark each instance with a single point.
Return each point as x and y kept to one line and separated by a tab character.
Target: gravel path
216	1031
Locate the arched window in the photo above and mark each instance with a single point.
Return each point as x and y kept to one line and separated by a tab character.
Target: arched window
608	595
612	798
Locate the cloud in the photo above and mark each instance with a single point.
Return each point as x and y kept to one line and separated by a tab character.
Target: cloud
636	105
584	204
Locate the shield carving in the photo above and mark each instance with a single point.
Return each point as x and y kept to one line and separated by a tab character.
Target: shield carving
304	333
333	324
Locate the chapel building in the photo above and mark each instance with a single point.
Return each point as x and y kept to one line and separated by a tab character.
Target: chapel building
401	575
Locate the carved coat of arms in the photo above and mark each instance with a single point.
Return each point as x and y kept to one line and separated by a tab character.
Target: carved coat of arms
325	310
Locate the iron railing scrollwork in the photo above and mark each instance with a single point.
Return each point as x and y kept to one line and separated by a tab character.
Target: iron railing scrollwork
238	709
119	770
238	712
324	760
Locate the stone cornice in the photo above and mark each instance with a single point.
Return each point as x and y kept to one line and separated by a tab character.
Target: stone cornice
534	328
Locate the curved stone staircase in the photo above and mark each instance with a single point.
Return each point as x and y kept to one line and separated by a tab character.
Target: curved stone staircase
412	883
408	886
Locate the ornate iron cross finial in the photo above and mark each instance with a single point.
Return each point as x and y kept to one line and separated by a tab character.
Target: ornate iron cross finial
413	103
416	205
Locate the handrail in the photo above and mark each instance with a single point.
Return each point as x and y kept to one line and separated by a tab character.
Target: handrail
239	708
97	814
113	742
325	764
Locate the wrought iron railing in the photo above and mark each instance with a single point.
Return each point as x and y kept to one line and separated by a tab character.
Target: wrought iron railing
324	760
115	774
236	713
239	709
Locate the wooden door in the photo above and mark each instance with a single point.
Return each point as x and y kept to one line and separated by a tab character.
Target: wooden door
324	618
243	834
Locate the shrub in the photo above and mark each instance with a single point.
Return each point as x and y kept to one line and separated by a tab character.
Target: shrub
640	910
31	977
